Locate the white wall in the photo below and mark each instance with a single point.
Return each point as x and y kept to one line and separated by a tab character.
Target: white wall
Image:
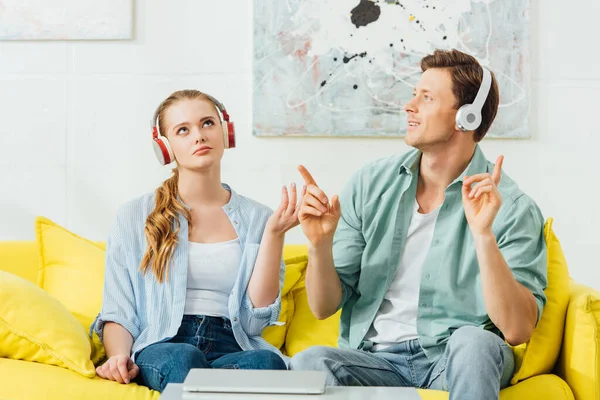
75	122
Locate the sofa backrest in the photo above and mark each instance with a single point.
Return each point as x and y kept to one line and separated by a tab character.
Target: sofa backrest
20	258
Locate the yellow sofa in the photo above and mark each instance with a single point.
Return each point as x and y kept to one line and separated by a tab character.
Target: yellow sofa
575	374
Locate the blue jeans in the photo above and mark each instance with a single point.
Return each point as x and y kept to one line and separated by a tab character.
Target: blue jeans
201	342
475	365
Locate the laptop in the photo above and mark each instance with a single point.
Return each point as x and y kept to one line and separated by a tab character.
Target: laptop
217	380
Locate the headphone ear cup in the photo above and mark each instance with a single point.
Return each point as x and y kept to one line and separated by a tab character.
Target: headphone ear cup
468	118
228	134
163	151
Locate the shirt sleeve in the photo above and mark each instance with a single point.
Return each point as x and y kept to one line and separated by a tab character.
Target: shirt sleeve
118	301
523	247
257	319
349	243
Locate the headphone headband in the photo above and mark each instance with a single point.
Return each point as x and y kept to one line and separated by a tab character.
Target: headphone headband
468	117
484	88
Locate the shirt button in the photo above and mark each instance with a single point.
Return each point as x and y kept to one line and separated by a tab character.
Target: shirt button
427	276
423	304
235	222
436	241
364	330
235	319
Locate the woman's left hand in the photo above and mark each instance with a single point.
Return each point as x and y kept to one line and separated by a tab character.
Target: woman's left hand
286	215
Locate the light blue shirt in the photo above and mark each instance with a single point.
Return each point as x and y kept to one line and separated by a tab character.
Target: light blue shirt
152	311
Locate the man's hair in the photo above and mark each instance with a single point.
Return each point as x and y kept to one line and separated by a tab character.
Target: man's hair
466	74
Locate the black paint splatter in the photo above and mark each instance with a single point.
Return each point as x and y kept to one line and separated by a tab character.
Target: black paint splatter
445	37
347	59
323	83
355	87
365	13
391	44
334	58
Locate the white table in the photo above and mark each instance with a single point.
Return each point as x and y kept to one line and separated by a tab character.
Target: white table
173	391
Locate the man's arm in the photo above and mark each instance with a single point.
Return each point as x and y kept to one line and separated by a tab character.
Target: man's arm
510	305
512	266
328	284
323	285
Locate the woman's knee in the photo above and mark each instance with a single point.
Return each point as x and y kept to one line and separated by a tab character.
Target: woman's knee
165	363
266	359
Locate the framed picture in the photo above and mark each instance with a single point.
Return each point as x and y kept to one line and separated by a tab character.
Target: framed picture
66	19
346	68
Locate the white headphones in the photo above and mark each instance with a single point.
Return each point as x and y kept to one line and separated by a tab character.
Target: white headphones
468	117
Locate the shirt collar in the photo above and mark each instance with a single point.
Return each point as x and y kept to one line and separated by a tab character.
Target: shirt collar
477	165
234	199
411	163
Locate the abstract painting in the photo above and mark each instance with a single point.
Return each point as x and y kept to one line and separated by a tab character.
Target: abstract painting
348	67
66	19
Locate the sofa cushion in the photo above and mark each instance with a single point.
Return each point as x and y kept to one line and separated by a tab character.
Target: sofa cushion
539	355
294	266
71	269
54	383
20	258
305	330
36	327
579	362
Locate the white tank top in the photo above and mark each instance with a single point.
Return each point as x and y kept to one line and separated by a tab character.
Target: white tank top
212	271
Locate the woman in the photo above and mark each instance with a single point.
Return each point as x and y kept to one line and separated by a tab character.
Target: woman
194	270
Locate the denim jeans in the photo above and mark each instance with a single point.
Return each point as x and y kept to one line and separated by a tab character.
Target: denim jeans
201	342
475	365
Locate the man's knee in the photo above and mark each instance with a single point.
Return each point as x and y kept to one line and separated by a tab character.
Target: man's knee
474	344
313	358
473	337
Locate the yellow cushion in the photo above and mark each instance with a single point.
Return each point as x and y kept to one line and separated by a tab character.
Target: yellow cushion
579	362
542	387
36	327
293	272
71	269
33	381
539	355
19	258
305	330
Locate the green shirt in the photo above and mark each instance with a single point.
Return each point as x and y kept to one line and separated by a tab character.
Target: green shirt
377	205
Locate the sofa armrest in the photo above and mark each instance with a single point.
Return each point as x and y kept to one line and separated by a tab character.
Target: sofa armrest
579	361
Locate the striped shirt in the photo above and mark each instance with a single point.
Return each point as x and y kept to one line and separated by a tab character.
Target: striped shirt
152	311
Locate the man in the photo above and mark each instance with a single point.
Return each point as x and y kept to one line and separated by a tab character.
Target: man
438	259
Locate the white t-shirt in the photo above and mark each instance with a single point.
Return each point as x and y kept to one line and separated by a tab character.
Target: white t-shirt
212	271
396	319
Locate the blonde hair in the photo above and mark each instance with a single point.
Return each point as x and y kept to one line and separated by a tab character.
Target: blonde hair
162	225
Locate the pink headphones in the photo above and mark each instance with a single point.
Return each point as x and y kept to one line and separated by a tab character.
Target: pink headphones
161	145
